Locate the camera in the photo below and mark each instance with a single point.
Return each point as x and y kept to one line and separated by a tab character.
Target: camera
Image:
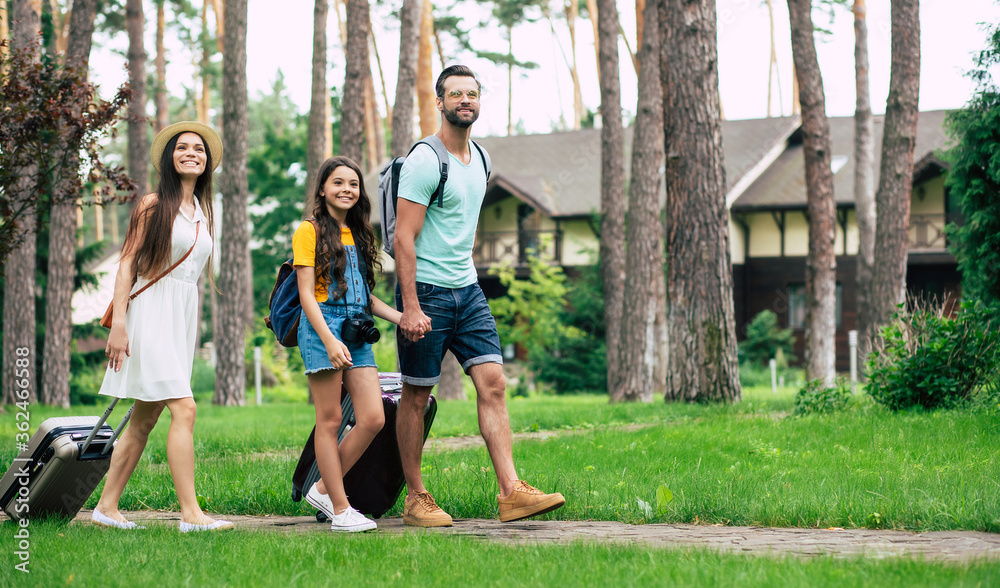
360	328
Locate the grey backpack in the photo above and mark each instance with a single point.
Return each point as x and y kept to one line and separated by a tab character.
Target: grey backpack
388	186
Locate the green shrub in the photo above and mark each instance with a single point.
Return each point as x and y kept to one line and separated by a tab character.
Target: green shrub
765	340
578	360
564	340
924	359
815	398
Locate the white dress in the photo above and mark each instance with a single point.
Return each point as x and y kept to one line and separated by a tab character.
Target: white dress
162	322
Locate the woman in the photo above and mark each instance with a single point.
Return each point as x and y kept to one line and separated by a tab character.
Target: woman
153	337
336	258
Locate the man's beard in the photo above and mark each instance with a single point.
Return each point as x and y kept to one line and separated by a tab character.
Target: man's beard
453	117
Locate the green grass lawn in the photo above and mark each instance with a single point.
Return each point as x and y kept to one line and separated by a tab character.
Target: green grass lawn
82	555
744	464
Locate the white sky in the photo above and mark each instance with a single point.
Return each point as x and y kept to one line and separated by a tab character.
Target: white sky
281	37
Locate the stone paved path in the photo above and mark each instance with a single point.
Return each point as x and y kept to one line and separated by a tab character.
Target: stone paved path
945	546
438	444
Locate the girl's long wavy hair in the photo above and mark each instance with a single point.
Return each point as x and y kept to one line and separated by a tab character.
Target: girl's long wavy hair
329	248
153	254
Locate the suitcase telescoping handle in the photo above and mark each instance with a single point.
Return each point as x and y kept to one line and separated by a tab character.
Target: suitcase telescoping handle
97	427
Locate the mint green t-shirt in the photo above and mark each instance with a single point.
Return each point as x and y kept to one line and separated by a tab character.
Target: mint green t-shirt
444	246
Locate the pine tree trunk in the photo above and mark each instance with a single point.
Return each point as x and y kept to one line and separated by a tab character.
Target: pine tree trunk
510	81
374	126
138	141
864	179
62	230
612	248
700	315
219	8
640	9
19	268
429	117
572	12
450	386
381	77
592	12
796	105
230	372
406	78
58	305
772	67
19	301
206	78
4	34
821	261
318	105
162	102
352	121
892	200
644	257
374	143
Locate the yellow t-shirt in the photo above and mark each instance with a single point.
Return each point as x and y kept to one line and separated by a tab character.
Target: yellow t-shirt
304	252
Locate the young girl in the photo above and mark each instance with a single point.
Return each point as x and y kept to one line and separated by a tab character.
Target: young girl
151	345
336	258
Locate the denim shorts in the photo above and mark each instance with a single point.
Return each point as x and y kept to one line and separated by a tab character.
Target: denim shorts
314	354
460	322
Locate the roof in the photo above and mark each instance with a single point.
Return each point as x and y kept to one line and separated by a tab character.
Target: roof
560	173
783	186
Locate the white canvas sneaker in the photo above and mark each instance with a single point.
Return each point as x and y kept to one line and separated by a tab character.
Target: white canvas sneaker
320	501
351	521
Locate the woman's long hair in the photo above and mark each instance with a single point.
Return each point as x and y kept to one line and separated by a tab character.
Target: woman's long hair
329	248
153	254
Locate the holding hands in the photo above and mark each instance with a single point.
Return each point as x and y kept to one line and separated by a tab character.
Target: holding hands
414	323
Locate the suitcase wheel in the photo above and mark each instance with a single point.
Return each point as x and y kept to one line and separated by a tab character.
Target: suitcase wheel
321	517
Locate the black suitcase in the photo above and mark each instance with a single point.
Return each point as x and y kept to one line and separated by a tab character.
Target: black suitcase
57	471
375	481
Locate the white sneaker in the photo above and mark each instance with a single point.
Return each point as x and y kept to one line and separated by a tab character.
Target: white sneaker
351	521
320	501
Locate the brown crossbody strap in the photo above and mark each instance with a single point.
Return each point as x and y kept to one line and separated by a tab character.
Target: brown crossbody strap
197	227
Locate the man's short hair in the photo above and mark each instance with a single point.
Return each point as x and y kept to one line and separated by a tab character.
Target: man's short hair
454	70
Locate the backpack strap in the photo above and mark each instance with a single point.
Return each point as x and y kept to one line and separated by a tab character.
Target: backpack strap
487	162
435	143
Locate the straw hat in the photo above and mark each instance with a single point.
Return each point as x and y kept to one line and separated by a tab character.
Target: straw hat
211	137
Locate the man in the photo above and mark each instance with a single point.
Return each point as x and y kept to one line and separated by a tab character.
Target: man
444	308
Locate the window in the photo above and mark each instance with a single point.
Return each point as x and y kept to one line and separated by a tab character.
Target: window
797	306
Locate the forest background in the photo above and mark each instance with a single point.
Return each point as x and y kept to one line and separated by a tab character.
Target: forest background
191	81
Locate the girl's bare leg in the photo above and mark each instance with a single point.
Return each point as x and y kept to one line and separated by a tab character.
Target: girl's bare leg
325	386
180	457
126	456
369	416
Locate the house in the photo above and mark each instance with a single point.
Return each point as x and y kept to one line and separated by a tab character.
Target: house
770	233
545	192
